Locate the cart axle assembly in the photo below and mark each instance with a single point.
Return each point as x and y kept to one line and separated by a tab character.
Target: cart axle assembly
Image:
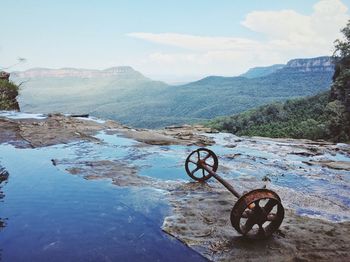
256	214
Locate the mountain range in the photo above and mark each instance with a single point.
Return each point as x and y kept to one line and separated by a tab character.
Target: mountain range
262	71
125	95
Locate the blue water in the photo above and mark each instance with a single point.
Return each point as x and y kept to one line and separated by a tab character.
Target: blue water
166	162
313	213
54	216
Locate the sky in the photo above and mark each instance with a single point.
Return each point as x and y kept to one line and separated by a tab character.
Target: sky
169	40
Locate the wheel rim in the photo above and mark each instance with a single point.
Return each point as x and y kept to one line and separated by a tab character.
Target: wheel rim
257	214
196	159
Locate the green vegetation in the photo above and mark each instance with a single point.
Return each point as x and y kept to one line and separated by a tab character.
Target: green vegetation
324	116
8	94
340	91
298	118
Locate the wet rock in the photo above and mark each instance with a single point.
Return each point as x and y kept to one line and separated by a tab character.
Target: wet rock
3	174
55	129
10	133
233	156
266	179
149	137
60	129
80	115
4	75
201	211
305	153
174	135
339	165
121	173
54	162
190	135
202	222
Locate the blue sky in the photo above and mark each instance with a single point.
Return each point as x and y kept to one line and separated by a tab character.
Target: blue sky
168	40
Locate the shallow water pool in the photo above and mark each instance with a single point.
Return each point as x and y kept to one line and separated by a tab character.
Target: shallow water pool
53	216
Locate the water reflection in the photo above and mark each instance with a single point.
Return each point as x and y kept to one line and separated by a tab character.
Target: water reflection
3	178
79	220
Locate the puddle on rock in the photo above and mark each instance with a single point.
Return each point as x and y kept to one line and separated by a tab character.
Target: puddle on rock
51	213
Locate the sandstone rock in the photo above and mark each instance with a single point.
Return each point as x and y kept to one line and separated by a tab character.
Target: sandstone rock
4	75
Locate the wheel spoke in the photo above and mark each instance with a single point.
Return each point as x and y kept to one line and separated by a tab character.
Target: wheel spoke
269	205
194	170
248	225
203	173
192	162
206	157
256	203
199	155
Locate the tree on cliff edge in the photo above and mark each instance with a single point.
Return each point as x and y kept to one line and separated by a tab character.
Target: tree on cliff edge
8	93
340	90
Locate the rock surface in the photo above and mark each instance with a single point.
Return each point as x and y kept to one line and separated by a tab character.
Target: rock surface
310	177
201	219
317	64
4	75
60	129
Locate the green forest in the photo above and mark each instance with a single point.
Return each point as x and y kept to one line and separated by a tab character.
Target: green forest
324	116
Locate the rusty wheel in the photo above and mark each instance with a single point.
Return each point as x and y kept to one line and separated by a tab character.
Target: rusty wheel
196	159
257	214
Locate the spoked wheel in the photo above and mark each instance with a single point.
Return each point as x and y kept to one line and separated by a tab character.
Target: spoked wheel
257	214
196	160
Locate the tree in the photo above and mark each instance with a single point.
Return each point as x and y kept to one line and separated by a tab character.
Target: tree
340	90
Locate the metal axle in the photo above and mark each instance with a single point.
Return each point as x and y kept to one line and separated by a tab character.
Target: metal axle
230	188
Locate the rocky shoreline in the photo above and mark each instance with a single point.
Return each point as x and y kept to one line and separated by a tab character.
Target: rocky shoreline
60	129
200	212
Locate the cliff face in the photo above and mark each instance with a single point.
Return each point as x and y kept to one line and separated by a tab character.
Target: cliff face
300	65
318	64
8	93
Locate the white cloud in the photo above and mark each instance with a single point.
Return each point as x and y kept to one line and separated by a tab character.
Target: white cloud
287	34
194	42
277	24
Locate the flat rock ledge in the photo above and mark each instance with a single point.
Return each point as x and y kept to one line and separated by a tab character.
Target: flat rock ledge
201	220
61	129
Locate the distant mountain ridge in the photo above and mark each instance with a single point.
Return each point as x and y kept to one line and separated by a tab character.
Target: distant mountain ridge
262	71
130	98
317	64
75	72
